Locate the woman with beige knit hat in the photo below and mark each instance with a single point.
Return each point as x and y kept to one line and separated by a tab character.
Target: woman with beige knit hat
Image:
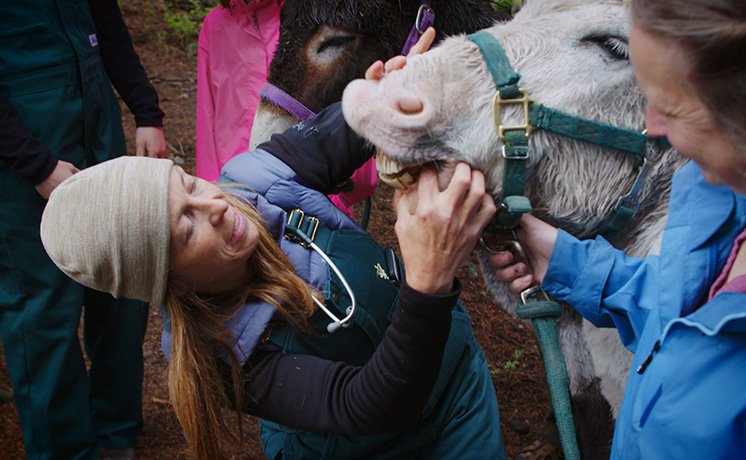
278	304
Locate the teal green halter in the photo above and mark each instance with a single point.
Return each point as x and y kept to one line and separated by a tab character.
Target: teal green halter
512	202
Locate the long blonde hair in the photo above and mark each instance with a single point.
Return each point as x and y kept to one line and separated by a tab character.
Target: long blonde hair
199	335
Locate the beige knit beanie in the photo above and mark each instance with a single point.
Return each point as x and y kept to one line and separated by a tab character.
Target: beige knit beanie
107	227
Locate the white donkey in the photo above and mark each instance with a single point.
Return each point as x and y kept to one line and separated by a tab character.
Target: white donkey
572	56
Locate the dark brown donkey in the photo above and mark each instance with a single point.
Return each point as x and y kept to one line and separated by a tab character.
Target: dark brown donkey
324	44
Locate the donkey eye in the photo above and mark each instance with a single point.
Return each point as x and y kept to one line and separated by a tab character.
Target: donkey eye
616	47
337	41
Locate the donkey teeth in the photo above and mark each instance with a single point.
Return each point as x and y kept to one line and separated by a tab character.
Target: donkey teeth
401	182
394	174
386	164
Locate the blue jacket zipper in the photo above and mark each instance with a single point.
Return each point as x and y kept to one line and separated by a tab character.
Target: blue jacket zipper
647	361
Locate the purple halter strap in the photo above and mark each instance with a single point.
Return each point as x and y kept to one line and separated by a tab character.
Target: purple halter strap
425	18
285	101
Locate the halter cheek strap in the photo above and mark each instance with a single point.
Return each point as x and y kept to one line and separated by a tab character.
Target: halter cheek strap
281	99
512	203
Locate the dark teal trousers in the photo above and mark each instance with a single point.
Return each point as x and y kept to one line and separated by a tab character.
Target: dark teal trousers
66	410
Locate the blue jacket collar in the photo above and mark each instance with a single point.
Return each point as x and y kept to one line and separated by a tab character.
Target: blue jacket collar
716	316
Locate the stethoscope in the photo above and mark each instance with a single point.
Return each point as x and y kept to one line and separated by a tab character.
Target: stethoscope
306	241
350	311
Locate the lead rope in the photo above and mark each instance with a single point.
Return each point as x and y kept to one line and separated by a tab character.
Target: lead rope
543	315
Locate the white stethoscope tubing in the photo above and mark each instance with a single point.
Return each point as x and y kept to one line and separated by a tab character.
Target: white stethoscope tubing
336	322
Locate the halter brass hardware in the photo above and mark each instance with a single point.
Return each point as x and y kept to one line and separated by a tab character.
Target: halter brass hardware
497	104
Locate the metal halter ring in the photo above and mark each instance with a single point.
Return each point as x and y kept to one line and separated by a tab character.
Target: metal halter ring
487	247
420	14
659	145
512	246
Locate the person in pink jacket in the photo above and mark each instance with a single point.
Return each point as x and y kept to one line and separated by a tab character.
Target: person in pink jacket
236	44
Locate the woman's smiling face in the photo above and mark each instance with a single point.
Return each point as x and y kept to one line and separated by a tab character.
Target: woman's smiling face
675	110
211	241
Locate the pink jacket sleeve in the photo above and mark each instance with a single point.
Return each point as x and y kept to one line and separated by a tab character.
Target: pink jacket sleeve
365	179
205	151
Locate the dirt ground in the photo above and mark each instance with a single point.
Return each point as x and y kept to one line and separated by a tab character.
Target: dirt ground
509	344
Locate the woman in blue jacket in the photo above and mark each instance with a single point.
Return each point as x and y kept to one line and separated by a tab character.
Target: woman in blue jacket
280	305
683	312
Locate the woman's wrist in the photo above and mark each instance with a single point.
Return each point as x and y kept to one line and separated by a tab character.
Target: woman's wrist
435	287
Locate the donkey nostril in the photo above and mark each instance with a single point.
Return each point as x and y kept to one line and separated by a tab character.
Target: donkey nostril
409	105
